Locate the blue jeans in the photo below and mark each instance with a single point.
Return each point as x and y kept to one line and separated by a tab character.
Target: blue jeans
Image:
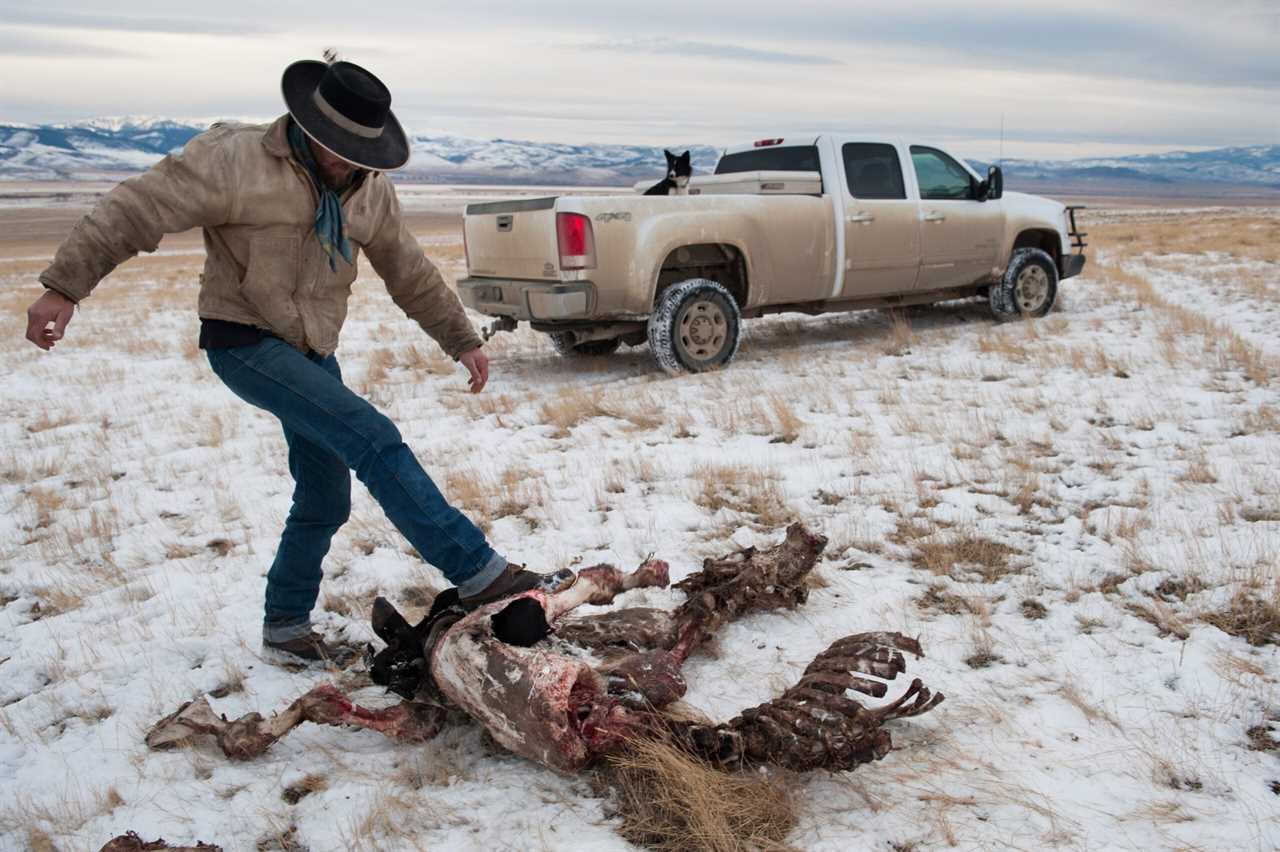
330	431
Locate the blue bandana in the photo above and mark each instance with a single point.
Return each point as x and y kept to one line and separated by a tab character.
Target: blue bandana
331	228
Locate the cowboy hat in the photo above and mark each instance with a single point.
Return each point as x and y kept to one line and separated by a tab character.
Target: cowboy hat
347	110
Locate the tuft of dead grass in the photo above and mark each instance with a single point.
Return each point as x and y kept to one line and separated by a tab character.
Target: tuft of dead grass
673	802
570	409
898	341
1093	712
747	490
1033	610
299	790
789	423
939	599
1262	738
1161	616
1251	617
960	551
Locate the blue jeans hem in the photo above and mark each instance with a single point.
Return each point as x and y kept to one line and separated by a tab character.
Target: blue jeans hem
480	580
285	631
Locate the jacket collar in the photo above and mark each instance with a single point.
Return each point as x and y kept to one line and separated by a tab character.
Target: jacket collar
276	139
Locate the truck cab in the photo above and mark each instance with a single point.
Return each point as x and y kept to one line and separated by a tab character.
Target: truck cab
911	217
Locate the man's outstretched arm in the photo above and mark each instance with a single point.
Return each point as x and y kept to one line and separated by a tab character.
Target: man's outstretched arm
421	292
182	191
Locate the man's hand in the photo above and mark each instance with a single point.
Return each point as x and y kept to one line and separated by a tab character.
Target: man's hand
50	308
477	363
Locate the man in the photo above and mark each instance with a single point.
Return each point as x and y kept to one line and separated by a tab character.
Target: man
286	210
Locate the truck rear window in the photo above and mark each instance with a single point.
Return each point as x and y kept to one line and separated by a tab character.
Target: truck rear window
792	158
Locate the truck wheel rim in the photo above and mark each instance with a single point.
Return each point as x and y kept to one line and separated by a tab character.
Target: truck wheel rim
1031	289
702	330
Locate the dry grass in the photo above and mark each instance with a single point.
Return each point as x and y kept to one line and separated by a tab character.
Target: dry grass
982	644
960	551
1199	471
471	491
1264	418
233	680
42	823
1091	711
1232	351
672	802
751	491
1032	609
788	422
571	408
299	790
1240	672
1241	237
898	341
1251	616
937	598
1166	620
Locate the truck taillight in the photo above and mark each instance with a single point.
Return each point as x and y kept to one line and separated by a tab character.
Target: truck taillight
577	242
765	143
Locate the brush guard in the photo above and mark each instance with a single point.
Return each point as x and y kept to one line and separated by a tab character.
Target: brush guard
1072	264
1077	236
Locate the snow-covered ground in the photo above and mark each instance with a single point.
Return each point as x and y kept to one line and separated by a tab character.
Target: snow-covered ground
1058	508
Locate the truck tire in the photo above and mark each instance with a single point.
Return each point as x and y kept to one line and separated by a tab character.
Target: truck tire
695	326
1028	288
564	345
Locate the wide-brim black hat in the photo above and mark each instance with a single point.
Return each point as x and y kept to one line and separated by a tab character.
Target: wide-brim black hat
347	110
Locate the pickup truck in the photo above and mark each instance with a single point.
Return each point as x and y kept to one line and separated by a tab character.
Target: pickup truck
815	225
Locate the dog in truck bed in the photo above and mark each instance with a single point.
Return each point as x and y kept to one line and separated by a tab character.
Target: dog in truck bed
679	170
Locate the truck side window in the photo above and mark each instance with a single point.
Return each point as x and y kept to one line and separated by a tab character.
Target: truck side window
939	176
873	170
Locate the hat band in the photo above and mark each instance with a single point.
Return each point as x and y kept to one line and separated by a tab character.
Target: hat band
341	120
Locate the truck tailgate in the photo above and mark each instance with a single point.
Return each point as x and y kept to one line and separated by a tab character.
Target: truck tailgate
512	239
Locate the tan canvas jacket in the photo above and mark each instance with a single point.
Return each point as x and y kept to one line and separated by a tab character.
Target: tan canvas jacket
264	265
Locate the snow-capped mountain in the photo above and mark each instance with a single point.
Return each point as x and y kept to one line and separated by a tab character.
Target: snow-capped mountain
1256	165
454	158
88	149
110	147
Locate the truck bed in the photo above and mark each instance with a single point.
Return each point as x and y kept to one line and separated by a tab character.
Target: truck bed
750	183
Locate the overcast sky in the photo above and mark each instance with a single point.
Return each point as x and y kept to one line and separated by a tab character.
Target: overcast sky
1069	78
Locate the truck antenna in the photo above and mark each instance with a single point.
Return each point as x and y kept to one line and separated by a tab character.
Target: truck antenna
1001	140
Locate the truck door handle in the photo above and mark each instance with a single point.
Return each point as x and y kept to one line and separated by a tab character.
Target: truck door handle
932	216
861	217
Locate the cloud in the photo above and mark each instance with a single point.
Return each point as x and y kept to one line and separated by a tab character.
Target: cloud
142	23
1229	45
1147	72
15	42
704	50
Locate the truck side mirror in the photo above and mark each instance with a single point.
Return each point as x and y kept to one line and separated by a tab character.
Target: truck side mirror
995	183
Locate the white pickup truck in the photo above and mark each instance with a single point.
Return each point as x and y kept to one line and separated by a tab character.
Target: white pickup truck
815	225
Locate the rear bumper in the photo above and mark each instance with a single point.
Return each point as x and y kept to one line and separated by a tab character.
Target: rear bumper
528	300
1072	265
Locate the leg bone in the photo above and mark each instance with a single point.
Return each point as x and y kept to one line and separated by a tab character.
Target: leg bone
600	584
251	735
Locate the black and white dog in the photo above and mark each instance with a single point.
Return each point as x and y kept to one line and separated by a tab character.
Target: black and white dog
676	182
